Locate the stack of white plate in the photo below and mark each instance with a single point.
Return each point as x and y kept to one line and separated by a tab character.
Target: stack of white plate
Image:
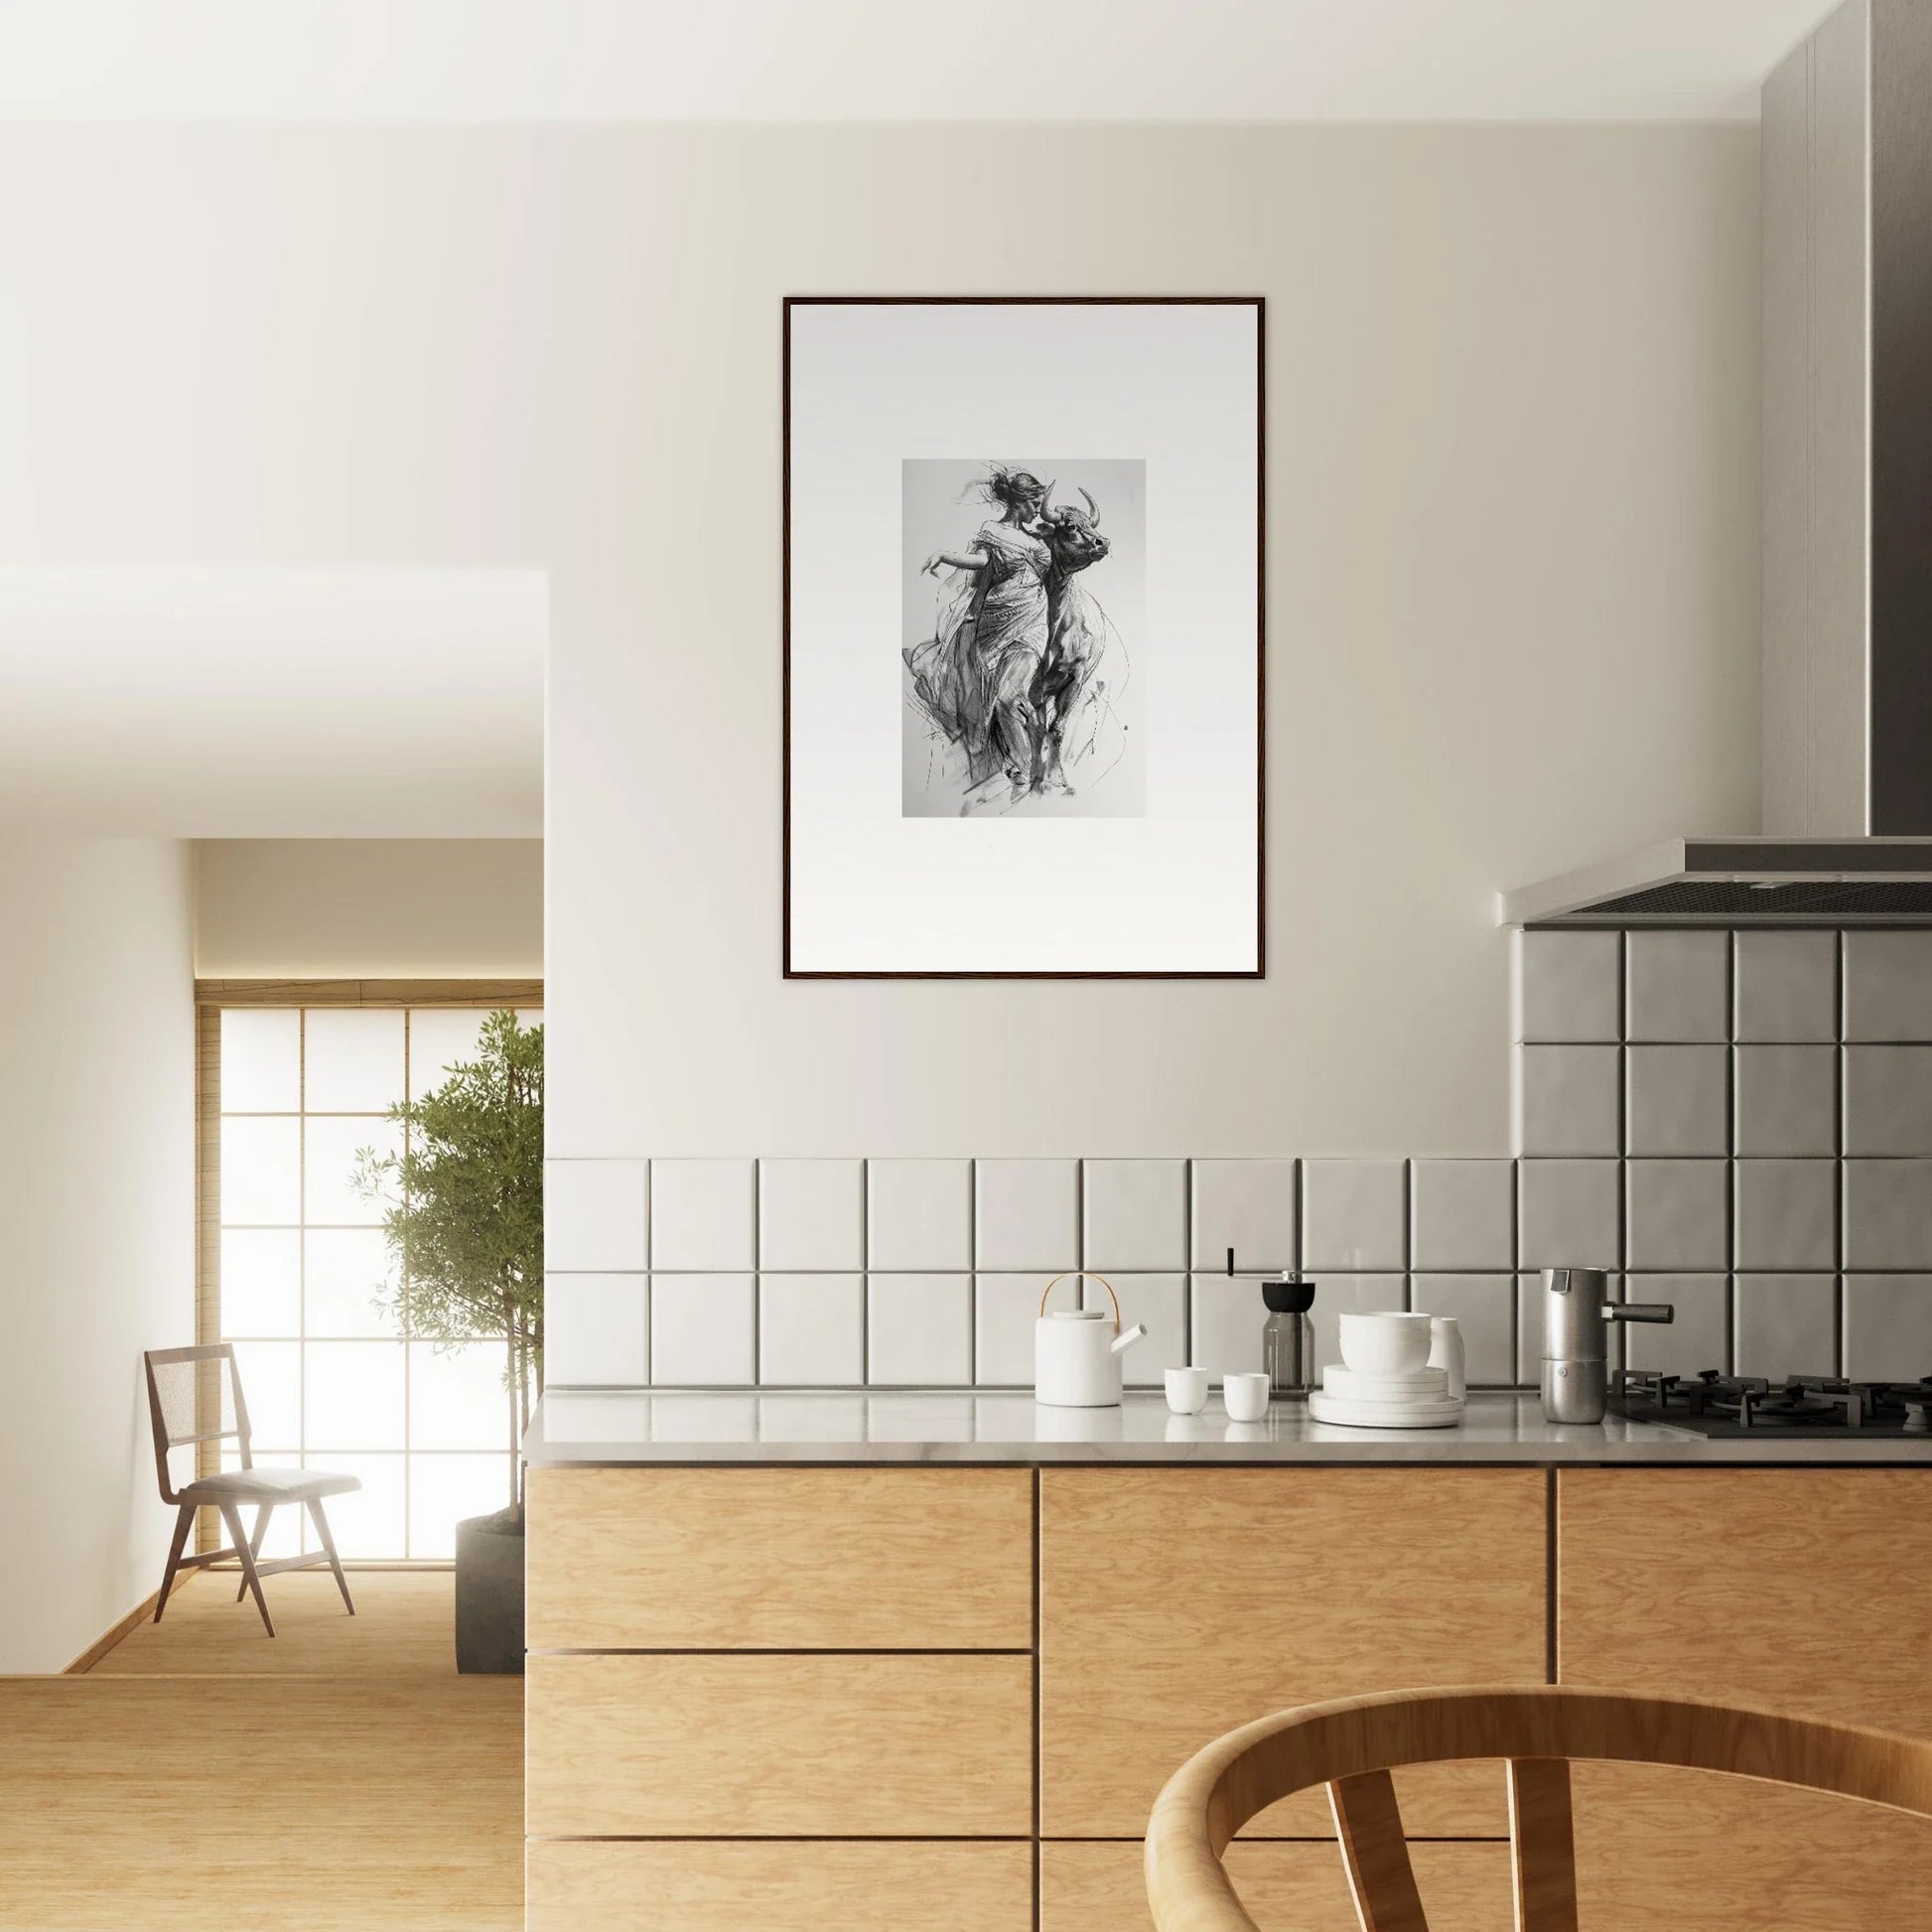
1382	1381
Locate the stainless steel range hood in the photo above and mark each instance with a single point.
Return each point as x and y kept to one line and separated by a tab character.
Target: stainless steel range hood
1847	674
1741	882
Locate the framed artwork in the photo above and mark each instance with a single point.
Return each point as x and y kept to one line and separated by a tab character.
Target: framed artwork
1024	637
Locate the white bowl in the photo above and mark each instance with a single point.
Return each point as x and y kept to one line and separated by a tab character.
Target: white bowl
1381	1343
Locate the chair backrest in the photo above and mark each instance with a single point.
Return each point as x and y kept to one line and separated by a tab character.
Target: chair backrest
194	1396
1352	1746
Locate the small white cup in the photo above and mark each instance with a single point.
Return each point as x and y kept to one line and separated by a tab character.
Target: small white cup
1186	1390
1246	1396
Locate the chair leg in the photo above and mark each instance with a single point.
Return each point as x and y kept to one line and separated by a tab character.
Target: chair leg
184	1522
255	1544
328	1545
231	1515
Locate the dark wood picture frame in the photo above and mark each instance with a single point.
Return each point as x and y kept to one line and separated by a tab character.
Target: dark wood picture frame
1259	305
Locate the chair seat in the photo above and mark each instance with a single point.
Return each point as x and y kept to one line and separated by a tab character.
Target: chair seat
269	1486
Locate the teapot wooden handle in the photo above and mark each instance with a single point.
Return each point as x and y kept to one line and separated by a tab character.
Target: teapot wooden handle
1083	1275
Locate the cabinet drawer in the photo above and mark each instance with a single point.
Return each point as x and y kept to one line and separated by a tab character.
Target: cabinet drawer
812	1886
1701	1853
1176	1604
780	1559
1803	1590
1806	1589
753	1746
1098	1887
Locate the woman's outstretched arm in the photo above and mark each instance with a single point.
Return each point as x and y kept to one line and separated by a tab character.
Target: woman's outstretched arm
971	560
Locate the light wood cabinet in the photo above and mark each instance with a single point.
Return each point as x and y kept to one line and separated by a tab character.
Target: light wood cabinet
846	1700
1098	1887
1807	1590
796	1746
785	1886
1177	1603
724	1559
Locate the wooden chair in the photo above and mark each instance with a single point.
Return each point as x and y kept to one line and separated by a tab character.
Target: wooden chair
1351	1747
194	1395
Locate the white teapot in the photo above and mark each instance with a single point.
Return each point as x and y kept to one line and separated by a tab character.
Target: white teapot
1077	1352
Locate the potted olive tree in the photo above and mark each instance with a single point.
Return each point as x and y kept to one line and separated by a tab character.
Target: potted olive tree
462	1214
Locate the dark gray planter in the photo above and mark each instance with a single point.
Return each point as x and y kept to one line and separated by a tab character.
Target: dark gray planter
490	1594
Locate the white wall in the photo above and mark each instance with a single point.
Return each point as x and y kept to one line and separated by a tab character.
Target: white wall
97	1200
387	909
1512	549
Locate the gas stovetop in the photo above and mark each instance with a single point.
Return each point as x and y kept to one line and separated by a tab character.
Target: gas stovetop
1717	1405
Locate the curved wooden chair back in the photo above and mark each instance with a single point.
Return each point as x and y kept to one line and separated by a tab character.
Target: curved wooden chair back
1352	1746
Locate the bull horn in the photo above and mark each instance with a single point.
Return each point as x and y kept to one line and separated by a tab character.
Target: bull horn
1093	509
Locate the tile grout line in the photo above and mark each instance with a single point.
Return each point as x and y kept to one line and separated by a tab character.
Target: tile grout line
972	1272
1730	1152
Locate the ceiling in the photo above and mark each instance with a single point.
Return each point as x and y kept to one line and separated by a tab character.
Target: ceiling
894	60
190	703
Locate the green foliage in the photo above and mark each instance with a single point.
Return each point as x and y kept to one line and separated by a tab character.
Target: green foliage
463	1204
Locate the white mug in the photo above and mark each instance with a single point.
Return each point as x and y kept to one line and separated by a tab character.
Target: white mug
1445	1351
1246	1396
1187	1391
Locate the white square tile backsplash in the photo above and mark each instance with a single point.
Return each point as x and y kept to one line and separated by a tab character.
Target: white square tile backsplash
1026	1214
1889	1100
1354	1215
1226	1317
703	1215
1484	1307
1567	1100
595	1215
1678	1216
1784	986
596	1330
1247	1206
1786	1217
1889	1214
1756	1106
921	1329
1889	984
920	1215
1785	1101
703	1330
1786	1325
1677	985
1568	986
1133	1214
1698	1334
811	1215
1569	1214
1677	1100
1004	1308
811	1331
1462	1214
1887	1322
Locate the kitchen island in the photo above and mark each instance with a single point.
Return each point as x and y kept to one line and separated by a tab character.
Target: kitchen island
807	1661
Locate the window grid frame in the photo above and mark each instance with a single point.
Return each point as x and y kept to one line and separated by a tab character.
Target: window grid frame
214	998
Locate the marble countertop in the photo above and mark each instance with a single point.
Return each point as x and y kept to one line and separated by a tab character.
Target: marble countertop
967	1425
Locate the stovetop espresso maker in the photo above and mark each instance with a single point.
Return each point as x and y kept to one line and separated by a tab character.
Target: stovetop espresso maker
1577	1317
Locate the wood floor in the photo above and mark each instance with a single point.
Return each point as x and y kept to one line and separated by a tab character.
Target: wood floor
402	1627
341	1777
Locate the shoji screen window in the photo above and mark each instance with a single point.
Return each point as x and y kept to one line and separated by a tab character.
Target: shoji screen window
306	1285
